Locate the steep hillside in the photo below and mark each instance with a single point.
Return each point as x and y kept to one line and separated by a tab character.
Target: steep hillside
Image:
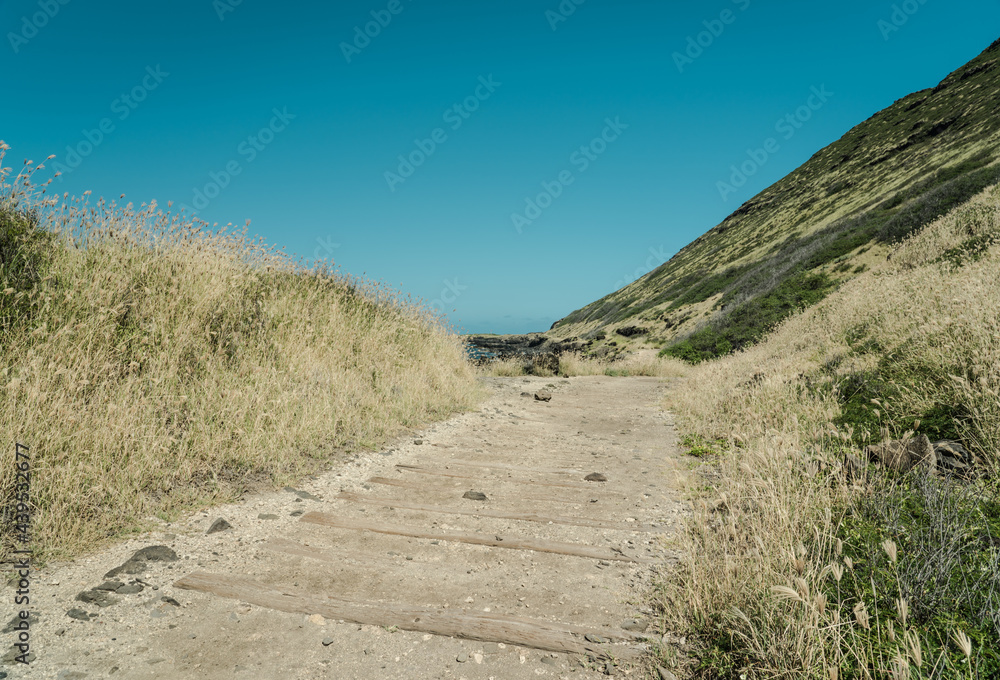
827	221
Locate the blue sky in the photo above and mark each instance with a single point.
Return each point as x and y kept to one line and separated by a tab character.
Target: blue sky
508	160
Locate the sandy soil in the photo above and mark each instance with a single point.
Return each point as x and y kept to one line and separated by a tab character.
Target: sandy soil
526	456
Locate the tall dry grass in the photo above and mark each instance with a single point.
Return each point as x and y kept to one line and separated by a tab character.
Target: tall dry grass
766	582
156	365
644	363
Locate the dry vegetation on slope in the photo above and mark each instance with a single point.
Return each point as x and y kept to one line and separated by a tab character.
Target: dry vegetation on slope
800	566
152	365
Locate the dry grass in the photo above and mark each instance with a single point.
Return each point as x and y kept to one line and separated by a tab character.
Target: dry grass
641	363
162	366
761	548
644	363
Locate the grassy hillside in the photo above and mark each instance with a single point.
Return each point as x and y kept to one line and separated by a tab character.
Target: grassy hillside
803	561
153	365
834	217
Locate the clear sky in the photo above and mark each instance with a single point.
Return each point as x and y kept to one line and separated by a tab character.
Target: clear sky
508	160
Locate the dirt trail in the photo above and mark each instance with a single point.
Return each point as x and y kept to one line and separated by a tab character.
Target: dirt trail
549	572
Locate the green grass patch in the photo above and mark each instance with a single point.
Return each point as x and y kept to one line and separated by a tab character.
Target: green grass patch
748	323
700	447
947	568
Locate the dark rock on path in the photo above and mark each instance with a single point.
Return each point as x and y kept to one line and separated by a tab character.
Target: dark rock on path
137	563
474	495
219	525
595	477
10	627
101	599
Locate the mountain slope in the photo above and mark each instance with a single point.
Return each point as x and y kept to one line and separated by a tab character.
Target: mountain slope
822	224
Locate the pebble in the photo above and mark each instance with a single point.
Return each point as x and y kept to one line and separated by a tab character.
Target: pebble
634	625
474	495
327	641
462	658
266	515
595	477
219	525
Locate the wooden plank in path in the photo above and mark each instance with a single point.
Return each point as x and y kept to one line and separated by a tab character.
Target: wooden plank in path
463	475
405	484
288	547
499	514
513	543
537	634
517	468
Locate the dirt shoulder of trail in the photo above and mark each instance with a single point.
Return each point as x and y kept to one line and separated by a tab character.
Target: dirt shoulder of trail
476	548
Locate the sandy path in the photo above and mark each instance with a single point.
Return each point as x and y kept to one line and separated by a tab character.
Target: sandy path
528	457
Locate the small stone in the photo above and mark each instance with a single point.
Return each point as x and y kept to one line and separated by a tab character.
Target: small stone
219	525
78	614
297	513
266	515
596	639
418	442
635	625
525	394
153	662
543	395
595	477
170	600
327	641
474	495
665	674
131	589
462	658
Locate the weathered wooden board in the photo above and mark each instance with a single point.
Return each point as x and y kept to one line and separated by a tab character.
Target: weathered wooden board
500	514
406	484
512	543
537	634
462	474
518	468
339	557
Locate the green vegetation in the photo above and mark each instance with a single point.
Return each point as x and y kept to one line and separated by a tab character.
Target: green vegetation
804	559
752	320
700	447
933	543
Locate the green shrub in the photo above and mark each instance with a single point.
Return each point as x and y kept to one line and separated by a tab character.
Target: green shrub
943	562
749	322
